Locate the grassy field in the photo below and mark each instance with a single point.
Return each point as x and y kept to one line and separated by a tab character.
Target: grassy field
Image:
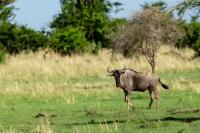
48	93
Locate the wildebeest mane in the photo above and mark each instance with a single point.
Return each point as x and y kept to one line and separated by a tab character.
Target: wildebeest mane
134	71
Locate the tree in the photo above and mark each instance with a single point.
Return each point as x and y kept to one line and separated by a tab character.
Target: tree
6	11
89	15
189	5
191	37
146	32
161	4
14	38
192	29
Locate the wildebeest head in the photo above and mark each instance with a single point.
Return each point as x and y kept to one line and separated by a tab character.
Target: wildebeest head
117	74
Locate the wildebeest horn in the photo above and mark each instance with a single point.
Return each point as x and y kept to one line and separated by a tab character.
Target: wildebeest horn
109	70
124	67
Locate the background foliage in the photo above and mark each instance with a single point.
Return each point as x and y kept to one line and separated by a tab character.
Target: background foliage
15	38
85	26
89	16
70	41
192	36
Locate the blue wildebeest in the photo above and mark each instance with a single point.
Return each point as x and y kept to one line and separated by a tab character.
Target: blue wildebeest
130	80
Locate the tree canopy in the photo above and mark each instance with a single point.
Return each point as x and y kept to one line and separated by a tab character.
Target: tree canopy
146	32
90	17
86	26
186	5
6	11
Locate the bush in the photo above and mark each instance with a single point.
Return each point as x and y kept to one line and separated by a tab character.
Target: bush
28	40
16	39
2	54
196	47
69	41
191	38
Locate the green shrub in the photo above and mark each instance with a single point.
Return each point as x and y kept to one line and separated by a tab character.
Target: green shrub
2	53
196	47
69	41
28	40
192	37
92	16
16	39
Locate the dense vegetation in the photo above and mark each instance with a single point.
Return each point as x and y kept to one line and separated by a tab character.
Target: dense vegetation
85	26
16	38
192	36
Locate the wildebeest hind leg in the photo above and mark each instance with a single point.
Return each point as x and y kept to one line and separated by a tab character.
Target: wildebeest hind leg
130	104
126	99
157	98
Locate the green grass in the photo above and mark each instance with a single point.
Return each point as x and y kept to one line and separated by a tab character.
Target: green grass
94	105
101	113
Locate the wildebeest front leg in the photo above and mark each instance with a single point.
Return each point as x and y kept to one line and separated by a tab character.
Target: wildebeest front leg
127	100
151	98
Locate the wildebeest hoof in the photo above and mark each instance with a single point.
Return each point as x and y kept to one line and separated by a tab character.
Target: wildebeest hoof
132	108
40	115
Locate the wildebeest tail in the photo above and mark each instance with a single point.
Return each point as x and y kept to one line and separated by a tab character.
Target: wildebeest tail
163	85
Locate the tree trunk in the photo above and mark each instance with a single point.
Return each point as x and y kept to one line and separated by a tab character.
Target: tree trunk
151	61
153	65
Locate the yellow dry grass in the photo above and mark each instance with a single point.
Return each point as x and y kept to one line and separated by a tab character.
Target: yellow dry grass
25	65
35	73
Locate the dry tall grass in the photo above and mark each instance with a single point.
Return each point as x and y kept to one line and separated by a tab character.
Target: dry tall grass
44	73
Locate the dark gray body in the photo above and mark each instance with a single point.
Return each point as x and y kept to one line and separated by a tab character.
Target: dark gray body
130	80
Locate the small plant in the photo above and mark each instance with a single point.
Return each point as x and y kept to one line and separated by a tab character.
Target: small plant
91	112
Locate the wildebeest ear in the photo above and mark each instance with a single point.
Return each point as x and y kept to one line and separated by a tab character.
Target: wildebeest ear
110	75
122	72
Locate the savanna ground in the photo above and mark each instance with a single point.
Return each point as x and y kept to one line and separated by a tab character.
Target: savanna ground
49	93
